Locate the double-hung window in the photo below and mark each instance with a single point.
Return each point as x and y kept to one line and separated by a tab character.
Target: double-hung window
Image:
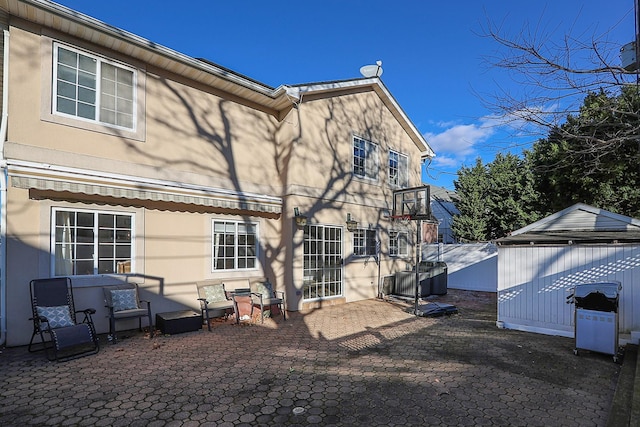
235	245
91	88
365	158
91	242
398	243
398	169
364	242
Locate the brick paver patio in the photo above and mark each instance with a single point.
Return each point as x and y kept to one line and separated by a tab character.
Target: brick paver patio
370	363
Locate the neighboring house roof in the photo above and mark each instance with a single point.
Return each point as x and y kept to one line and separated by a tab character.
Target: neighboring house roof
442	194
275	101
579	223
443	199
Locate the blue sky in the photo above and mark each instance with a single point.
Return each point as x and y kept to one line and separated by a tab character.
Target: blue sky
433	53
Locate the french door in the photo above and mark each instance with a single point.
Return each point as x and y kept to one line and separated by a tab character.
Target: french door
322	262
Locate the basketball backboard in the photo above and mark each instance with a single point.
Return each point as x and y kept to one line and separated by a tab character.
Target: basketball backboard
414	201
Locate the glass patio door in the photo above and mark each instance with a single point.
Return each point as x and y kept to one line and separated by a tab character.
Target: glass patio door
322	273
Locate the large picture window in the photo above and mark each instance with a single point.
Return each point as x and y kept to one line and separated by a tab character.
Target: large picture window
91	88
365	158
398	170
91	242
235	245
364	242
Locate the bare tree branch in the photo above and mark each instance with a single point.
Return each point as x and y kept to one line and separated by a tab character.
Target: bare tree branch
552	80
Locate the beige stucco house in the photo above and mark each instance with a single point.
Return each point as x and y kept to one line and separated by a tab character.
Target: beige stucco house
123	160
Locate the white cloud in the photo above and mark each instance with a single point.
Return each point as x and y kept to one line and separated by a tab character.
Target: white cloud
460	140
458	144
446	161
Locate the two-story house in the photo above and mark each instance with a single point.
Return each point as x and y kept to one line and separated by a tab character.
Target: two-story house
126	160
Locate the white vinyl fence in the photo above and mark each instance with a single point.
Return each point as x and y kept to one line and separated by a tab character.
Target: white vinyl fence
470	267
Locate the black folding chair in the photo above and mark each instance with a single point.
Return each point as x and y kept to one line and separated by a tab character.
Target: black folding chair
54	321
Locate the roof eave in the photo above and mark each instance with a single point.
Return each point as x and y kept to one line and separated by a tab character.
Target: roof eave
377	86
76	24
275	101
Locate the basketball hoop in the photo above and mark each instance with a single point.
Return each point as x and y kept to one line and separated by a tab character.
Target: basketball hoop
403	220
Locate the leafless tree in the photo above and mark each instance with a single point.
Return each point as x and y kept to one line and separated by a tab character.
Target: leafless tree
553	78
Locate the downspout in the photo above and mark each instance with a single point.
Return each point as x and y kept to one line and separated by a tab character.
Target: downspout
3	190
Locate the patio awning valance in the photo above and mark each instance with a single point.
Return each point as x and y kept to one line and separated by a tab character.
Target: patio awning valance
209	197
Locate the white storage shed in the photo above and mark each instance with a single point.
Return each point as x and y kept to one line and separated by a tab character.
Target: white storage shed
539	264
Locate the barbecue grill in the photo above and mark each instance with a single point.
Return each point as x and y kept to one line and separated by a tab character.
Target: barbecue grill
596	317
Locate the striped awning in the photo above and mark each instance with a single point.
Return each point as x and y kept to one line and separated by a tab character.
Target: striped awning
210	197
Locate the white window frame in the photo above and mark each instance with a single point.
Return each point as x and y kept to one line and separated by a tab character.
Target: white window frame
398	169
215	248
365	166
99	104
71	269
396	248
364	242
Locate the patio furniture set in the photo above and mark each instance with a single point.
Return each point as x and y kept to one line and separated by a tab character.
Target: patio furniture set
64	336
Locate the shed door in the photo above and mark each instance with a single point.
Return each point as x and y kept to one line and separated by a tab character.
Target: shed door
322	262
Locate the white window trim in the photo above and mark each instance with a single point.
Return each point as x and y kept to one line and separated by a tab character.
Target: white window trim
47	101
95	212
257	256
399	254
99	60
376	159
399	184
366	242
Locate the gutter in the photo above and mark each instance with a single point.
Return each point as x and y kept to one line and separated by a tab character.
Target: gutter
120	34
4	179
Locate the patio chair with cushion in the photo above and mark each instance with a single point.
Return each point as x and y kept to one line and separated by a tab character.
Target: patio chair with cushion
214	301
123	302
266	296
54	315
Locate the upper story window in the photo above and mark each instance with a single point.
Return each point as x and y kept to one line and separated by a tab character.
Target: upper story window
398	169
364	242
235	245
91	88
398	243
365	158
91	242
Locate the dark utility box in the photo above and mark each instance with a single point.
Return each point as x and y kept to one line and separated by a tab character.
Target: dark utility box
177	322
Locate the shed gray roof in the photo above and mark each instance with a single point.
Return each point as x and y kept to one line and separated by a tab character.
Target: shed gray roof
579	223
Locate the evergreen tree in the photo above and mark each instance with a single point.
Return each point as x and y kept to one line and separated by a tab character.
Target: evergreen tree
494	199
471	190
512	197
592	158
601	167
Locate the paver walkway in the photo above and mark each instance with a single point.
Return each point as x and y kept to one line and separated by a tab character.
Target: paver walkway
369	363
